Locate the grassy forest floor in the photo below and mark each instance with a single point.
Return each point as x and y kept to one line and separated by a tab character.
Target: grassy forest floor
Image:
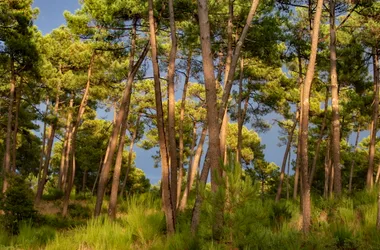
347	223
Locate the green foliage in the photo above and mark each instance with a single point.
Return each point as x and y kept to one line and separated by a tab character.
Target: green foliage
78	211
17	204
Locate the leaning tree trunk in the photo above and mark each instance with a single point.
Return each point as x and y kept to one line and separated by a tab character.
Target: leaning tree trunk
193	169
120	150
42	182
7	153
62	168
169	206
305	107
112	144
283	166
72	138
335	104
317	149
375	115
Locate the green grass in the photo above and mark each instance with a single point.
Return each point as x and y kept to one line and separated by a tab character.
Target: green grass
347	223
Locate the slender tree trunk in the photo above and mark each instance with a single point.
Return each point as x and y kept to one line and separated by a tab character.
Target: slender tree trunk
98	174
378	212
120	150
240	115
305	107
235	57
212	113
298	157
70	158
180	132
327	170
42	155
375	115
193	169
18	93
129	164
8	139
317	149
172	145
287	177
121	115
63	168
199	199
42	182
283	166
353	160
166	194
335	103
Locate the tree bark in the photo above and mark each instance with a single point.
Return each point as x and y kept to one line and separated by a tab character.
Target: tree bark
240	115
327	170
353	161
283	166
193	169
212	112
8	139
180	132
63	169
120	150
171	111
305	107
121	115
375	115
335	104
317	149
42	155
166	194
53	126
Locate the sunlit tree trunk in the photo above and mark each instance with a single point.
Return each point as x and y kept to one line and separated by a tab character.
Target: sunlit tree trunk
180	131
327	170
18	93
240	113
112	144
305	107
124	125
166	194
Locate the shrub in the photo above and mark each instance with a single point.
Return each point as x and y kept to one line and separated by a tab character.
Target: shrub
17	204
79	211
53	194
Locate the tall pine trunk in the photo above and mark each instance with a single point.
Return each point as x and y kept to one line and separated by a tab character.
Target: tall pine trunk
335	104
172	145
124	125
112	144
304	131
182	117
18	93
169	206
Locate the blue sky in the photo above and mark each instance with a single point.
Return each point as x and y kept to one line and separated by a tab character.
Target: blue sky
51	17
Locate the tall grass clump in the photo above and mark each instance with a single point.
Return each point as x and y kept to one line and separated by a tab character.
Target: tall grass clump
99	233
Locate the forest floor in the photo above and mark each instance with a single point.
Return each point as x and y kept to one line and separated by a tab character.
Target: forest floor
347	223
